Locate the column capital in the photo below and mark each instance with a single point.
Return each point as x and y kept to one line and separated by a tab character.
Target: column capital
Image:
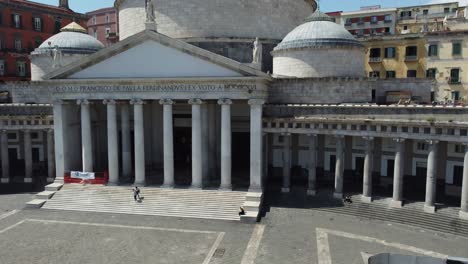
432	142
257	102
399	140
109	102
312	135
49	131
368	138
82	102
137	102
166	101
195	101
224	101
58	102
286	134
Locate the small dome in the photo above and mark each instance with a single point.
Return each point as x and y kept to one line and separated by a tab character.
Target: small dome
319	30
73	39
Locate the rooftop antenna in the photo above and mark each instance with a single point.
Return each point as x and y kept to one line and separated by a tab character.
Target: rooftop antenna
318	5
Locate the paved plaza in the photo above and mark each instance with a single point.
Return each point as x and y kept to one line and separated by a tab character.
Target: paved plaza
286	235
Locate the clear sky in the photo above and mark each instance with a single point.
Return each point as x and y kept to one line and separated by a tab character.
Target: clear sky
84	6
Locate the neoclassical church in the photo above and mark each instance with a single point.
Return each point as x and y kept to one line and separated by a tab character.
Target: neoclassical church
231	95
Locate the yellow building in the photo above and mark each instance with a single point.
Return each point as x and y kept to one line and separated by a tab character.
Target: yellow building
447	62
401	56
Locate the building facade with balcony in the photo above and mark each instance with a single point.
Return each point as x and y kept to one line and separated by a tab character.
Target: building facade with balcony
103	25
24	25
370	21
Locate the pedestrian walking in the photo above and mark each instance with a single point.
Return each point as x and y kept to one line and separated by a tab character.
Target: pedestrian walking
136	193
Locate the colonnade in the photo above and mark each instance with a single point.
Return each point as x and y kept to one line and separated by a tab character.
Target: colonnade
27	154
398	173
256	106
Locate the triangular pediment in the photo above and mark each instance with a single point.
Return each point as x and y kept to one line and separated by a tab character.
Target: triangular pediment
153	55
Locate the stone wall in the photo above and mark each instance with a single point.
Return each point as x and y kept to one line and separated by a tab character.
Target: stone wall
43	64
271	19
344	90
321	62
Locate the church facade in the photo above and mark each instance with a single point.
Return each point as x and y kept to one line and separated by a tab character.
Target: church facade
212	100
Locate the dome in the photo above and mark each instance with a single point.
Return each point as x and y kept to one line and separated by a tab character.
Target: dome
72	39
318	31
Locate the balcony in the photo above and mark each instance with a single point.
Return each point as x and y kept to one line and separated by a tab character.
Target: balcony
454	80
348	24
375	59
411	58
386	21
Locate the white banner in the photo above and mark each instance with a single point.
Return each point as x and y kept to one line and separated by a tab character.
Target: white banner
82	175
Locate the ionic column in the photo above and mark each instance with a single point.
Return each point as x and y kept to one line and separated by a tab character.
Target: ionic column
126	139
339	167
112	142
197	152
59	126
431	179
286	163
398	173
4	157
464	197
168	143
312	165
86	141
28	156
368	161
50	156
226	134
256	111
139	141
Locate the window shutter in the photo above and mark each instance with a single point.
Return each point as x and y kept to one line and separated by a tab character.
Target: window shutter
12	20
33	24
20	21
42	24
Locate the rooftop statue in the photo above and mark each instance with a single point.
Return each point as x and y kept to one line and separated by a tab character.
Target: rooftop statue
257	52
150	11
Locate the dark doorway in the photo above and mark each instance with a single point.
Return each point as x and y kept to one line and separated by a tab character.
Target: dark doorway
390	168
16	165
183	155
332	163
241	159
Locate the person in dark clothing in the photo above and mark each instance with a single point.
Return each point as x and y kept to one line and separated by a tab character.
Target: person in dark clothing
241	211
136	193
348	200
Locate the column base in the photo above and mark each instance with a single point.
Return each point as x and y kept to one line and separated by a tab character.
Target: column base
5	180
225	188
285	190
28	180
112	184
311	192
167	186
196	187
429	209
338	195
463	215
366	199
50	180
396	204
139	183
255	189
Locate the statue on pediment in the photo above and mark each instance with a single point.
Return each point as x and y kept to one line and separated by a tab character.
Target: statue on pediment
257	52
150	11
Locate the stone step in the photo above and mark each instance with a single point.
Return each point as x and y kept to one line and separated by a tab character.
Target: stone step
251	206
45	195
249	218
254	197
36	203
54	187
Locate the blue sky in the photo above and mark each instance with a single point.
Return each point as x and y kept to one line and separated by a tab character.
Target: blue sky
326	5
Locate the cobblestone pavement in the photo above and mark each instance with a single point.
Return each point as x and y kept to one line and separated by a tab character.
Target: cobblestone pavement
286	235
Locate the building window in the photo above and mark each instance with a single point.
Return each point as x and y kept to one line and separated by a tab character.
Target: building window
21	68
37	24
348	22
455	96
374	74
94	20
18	44
57	26
107	31
387	30
411	73
405	14
16	20
456	49
360	21
433	50
374	55
388	18
95	33
454	76
374	20
446	10
421	146
425	12
107	18
360	32
390	52
391	74
2	68
411	53
459	149
431	73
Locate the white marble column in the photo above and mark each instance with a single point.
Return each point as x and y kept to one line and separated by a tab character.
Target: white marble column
226	140
339	167
286	163
168	143
126	140
398	173
112	142
464	196
368	168
139	140
312	188
50	156
197	151
256	111
86	140
431	179
4	156
28	163
59	126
